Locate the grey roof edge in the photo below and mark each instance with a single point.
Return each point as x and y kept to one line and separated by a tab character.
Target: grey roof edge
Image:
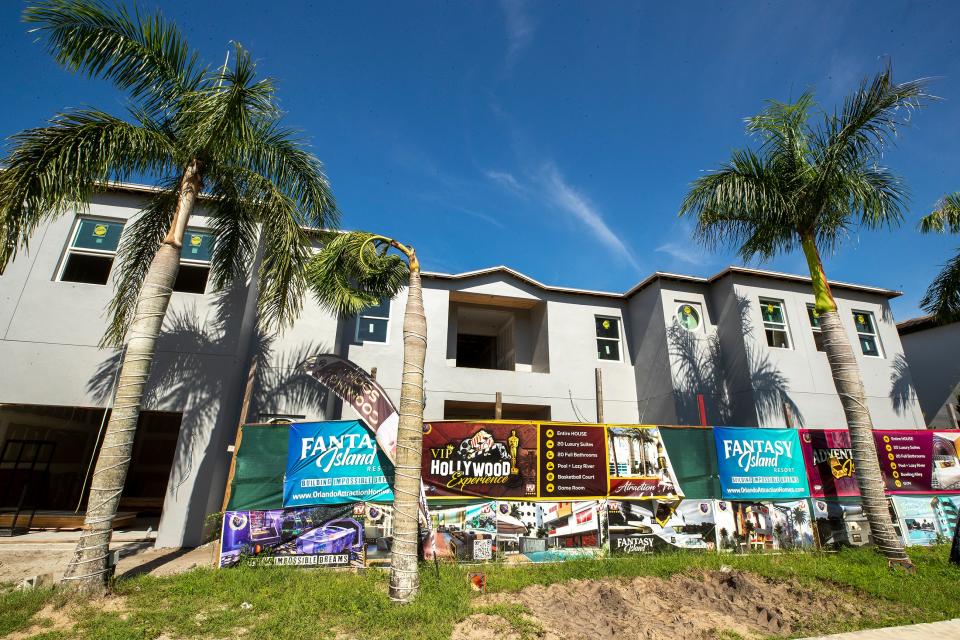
920	323
660	275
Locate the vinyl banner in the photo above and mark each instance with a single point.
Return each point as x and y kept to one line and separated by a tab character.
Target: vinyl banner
573	461
926	520
480	459
639	465
462	534
919	461
315	537
334	462
760	464
829	461
648	526
354	386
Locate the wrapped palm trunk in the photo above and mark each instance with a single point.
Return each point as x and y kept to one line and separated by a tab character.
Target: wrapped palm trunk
404	575
846	377
89	570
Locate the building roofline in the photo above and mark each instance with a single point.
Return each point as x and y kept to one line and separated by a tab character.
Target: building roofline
519	276
921	323
132	187
660	275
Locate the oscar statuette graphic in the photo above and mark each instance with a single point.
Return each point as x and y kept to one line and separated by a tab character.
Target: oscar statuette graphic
514	443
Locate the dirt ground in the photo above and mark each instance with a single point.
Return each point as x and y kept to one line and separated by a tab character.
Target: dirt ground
18	562
684	606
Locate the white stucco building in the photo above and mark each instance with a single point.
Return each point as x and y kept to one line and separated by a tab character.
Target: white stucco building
741	343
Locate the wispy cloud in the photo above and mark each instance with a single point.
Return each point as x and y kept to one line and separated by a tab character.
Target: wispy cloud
681	252
563	195
508	182
520	29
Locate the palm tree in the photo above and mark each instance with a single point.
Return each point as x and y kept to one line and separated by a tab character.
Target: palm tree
942	299
190	129
354	271
806	187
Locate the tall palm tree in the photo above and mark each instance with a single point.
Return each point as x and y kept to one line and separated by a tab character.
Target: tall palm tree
191	130
806	186
354	271
942	298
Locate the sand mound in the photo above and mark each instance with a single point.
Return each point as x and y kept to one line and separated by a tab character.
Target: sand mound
685	606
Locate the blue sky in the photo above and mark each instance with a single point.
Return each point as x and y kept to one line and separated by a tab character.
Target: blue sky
559	138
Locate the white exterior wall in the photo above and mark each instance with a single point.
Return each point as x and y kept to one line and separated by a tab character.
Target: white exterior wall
49	335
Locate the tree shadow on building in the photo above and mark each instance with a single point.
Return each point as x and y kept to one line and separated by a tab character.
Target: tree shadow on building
702	367
200	370
902	393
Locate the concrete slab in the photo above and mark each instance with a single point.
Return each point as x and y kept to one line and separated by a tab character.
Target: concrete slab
946	630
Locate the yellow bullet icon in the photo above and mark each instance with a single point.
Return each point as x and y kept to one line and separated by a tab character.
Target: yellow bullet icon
549	488
550	477
550	466
549	455
549	444
549	433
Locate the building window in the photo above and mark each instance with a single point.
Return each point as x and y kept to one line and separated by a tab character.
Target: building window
867	333
373	323
775	323
194	262
608	338
688	315
815	326
92	249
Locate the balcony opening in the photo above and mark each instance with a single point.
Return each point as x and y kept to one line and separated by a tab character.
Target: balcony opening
464	410
499	333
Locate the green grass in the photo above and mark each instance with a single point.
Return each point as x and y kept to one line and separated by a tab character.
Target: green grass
292	603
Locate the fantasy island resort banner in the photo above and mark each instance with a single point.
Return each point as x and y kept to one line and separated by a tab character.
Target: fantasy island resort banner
760	464
334	462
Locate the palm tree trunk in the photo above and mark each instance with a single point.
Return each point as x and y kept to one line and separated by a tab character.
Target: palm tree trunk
404	575
88	571
846	378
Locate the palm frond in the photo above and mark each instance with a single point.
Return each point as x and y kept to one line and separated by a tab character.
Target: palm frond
220	119
742	206
277	153
354	271
784	130
234	207
52	168
139	244
945	218
942	298
146	56
870	119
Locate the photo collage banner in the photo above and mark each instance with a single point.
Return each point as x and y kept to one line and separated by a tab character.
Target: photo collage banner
542	491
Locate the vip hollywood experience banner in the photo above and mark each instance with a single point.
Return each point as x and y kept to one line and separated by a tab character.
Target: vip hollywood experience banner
333	463
490	460
760	464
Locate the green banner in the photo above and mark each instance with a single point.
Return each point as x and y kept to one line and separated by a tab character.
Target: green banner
257	483
694	456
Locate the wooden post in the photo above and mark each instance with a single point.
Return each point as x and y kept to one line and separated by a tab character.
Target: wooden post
498	409
244	412
787	416
599	385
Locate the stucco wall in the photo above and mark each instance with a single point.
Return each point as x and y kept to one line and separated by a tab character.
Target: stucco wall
934	357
